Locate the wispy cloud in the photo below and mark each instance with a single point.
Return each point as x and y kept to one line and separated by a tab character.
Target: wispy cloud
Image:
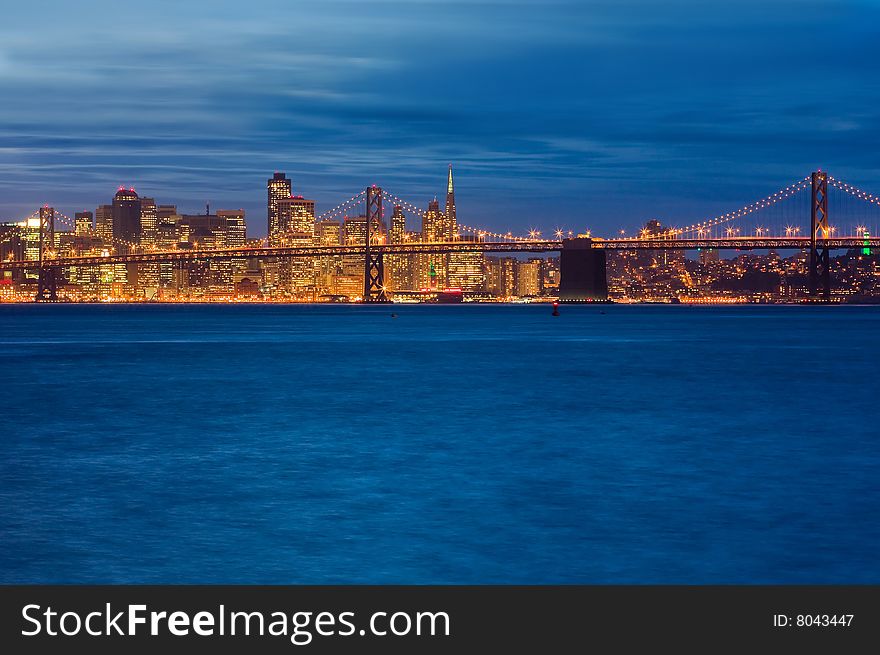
634	104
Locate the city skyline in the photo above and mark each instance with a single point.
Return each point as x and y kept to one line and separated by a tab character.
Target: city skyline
195	102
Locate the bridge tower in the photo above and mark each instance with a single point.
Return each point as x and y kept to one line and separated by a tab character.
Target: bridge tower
374	266
47	286
820	272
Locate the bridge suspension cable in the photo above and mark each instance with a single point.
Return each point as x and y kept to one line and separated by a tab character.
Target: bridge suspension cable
342	207
853	191
772	199
477	231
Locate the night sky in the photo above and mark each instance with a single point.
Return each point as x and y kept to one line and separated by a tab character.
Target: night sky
555	114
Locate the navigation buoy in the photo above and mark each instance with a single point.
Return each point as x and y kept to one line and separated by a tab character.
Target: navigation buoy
394	316
555	308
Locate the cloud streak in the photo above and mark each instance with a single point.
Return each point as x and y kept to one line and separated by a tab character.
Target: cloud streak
642	109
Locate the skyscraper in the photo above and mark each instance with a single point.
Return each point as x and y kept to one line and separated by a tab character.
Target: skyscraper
451	219
429	269
296	216
83	223
104	224
236	228
126	219
400	266
278	188
433	223
466	268
149	222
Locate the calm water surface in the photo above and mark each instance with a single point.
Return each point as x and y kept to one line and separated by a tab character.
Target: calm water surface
453	444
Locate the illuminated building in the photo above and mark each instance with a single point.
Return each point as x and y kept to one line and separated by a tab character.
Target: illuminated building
31	244
433	223
126	219
528	278
399	266
501	276
104	224
225	229
83	223
551	274
278	188
149	222
328	233
429	269
354	230
466	269
236	228
295	226
295	215
166	214
451	219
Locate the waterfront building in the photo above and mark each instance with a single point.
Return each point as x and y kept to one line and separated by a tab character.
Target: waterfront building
528	278
466	269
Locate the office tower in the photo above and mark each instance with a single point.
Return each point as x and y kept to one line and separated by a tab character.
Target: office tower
328	233
104	224
466	269
225	229
296	216
236	237
278	187
149	222
398	266
166	213
354	230
429	269
126	219
507	269
551	274
236	228
528	278
433	223
451	219
83	223
398	225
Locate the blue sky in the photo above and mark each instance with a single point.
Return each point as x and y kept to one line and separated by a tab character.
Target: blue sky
579	115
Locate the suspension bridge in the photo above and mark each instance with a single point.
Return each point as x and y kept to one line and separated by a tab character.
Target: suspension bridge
772	222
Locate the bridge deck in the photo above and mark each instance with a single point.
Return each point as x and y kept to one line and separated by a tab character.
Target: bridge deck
536	246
